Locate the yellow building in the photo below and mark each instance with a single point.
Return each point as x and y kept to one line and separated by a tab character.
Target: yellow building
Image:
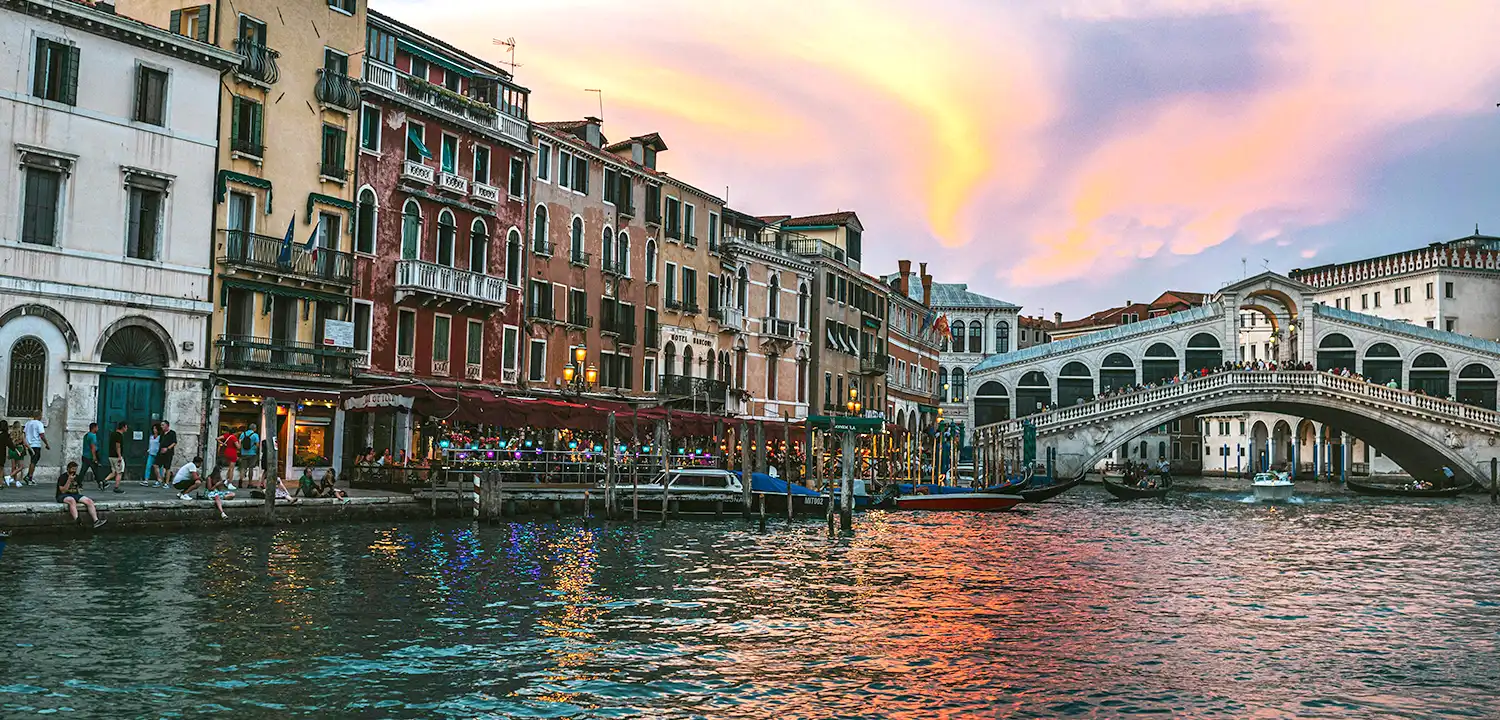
287	121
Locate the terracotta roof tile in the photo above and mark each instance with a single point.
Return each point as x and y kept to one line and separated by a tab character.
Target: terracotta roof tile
834	218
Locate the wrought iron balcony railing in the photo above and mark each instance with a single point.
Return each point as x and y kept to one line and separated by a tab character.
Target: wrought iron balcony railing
257	62
337	89
243	352
270	254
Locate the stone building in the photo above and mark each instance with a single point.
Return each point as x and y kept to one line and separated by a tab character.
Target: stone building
979	326
109	151
763	307
913	394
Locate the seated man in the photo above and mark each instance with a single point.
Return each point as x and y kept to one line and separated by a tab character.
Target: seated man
187	479
68	495
306	486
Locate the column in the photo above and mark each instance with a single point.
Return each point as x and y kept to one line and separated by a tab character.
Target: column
338	440
82	408
286	448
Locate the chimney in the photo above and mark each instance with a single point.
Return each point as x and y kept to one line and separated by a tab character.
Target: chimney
903	279
592	133
926	286
1056	318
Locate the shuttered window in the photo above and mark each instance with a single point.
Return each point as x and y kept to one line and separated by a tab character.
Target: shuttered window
150	95
56	72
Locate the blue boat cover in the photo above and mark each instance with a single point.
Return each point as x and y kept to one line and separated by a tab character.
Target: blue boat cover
763	483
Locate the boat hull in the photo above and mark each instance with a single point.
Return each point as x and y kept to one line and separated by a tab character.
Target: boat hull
1125	492
1273	492
967	502
1048	491
1393	491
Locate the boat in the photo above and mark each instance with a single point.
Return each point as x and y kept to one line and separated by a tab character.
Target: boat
1130	492
771	493
969	501
1272	487
1407	490
1036	493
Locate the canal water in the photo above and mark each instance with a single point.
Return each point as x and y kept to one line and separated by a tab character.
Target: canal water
1197	606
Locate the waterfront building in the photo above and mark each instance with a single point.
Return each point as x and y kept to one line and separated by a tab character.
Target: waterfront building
443	165
912	393
284	193
1167	303
1036	330
979	326
109	151
761	301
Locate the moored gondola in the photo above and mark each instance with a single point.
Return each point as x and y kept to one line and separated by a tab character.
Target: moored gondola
1039	493
1130	492
1408	490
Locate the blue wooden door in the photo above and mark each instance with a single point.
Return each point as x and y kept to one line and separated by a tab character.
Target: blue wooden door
134	395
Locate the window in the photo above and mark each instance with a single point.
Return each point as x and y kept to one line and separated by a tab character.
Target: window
690	289
1377	299
648	377
420	68
772	369
607	248
1406	294
538	360
1448	324
343	6
334	141
578	309
801	381
517	178
976	336
1448	290
802	306
416	142
564	167
539	244
544	162
674	218
689	225
510	344
43	195
442	335
363	313
143	225
513	257
576	238
28	378
411	230
479	247
713	231
1429	291
364	231
622	254
579	175
450	154
150	96
445	234
245	127
482	165
958	330
380	46
651	260
1396	296
56	74
670	293
191	22
1364	301
1002	336
406	333
539	300
843	288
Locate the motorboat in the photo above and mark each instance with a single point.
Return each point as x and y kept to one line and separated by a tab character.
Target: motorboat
1272	487
1411	489
690	481
969	502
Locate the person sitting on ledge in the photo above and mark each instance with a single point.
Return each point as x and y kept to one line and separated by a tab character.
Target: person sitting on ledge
187	479
218	491
327	489
307	486
68	495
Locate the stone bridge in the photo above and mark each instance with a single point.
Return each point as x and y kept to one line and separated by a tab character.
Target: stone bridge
1055	386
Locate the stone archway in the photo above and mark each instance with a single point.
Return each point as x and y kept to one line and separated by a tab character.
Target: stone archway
133	389
1260	447
1282	449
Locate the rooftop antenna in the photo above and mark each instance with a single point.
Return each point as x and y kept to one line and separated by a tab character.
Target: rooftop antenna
1244	273
510	45
601	101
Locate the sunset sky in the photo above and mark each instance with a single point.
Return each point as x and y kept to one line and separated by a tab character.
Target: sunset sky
1065	155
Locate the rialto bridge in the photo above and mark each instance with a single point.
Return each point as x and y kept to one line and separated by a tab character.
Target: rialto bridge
1425	397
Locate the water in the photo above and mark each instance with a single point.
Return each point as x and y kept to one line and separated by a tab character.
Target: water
1198	606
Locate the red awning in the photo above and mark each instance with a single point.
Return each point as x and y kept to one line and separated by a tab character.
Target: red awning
282	393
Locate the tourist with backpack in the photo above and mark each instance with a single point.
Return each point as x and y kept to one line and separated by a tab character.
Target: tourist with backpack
249	454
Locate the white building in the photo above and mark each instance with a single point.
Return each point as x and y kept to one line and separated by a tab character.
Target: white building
979	326
109	146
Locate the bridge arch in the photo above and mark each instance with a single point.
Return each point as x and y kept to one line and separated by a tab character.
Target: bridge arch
1429	375
1382	364
1203	351
1336	352
1160	363
1117	371
991	404
1075	384
1476	385
1260	447
1033	393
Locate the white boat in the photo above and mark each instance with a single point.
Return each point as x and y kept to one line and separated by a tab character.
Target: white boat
1272	486
691	481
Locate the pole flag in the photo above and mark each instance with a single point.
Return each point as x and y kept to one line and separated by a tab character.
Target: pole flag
312	243
285	258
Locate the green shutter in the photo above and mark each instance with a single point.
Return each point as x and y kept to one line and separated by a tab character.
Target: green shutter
255	115
70	77
234	119
39	76
175	24
204	12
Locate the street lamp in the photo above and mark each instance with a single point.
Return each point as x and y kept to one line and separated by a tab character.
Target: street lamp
577	374
853	405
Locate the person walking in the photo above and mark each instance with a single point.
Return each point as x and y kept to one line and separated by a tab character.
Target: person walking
168	450
116	456
36	439
229	450
90	458
5	452
153	448
69	495
249	454
17	451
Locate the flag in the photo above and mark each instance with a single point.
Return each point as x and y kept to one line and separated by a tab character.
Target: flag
285	258
942	322
312	243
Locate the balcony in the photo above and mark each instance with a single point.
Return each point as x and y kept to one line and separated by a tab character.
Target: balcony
406	363
249	147
542	247
265	254
337	89
690	307
693	392
362	359
874	364
579	257
673	233
258	62
334	172
440	368
611	266
384	78
689	240
810	247
731	319
417	172
447	284
653	215
456	184
540	314
253	354
579	321
473	371
485	193
778	329
673	304
510	376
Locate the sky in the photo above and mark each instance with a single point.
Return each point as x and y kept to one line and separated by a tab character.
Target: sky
1064	155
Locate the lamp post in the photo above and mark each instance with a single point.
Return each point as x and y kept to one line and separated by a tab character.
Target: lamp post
579	375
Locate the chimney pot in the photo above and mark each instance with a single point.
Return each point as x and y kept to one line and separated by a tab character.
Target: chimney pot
903	279
1057	318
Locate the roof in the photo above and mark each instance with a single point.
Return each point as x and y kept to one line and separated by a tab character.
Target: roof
1475	241
478	62
1169	301
842	217
651	140
773	219
1038	323
562	130
102	20
958	295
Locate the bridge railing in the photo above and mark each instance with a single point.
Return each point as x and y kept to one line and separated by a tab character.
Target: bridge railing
1249	378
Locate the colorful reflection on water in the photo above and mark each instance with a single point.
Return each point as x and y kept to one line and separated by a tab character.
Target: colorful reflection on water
1195	607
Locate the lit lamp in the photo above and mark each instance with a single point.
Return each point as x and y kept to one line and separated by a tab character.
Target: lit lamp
853	405
578	374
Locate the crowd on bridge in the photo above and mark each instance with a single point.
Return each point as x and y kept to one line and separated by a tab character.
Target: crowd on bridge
1239	366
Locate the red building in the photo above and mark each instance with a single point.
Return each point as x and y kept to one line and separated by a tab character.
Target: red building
444	160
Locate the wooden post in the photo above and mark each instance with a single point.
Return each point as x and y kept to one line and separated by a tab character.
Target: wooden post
270	455
476	495
499	494
609	466
1494	486
635	466
762	513
760	446
846	505
826	482
745	469
723	462
663	438
786	461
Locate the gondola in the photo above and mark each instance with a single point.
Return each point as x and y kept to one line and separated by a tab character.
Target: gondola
1400	491
1126	492
1038	494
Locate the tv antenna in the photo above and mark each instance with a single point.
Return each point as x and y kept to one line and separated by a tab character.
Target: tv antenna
600	93
510	45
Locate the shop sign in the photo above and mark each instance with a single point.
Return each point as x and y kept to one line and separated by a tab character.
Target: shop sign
378	400
338	333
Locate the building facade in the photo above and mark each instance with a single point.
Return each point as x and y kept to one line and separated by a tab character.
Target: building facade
109	144
978	326
763	308
913	394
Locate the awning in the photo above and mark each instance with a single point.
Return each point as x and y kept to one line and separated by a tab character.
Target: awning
227	176
281	290
416	139
256	392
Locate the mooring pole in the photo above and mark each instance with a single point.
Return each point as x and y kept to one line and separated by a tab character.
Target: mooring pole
269	454
476	495
663	437
846	510
1494	485
743	436
786	461
609	466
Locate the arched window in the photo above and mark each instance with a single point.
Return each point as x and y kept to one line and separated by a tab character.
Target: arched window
724	365
650	260
802	300
576	240
607	248
1074	384
479	247
687	360
622	253
28	378
742	292
773	296
958	331
669	359
1160	364
976	336
445	234
513	257
959	389
943	382
411	229
364	220
1203	352
991	404
1002	336
1336	351
539	244
1033	393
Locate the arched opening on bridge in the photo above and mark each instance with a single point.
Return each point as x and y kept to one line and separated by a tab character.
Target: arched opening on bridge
991	404
1429	375
1033	393
1203	351
1383	364
1336	352
1117	372
1476	386
1260	447
1159	364
1332	448
1306	456
1074	385
1281	446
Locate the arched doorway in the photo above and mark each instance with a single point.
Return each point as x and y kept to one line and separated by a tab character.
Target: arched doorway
1476	386
1074	385
1281	446
991	404
1117	372
1429	375
1159	364
1335	352
1033	393
1306	456
1203	351
133	389
1383	365
1260	450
